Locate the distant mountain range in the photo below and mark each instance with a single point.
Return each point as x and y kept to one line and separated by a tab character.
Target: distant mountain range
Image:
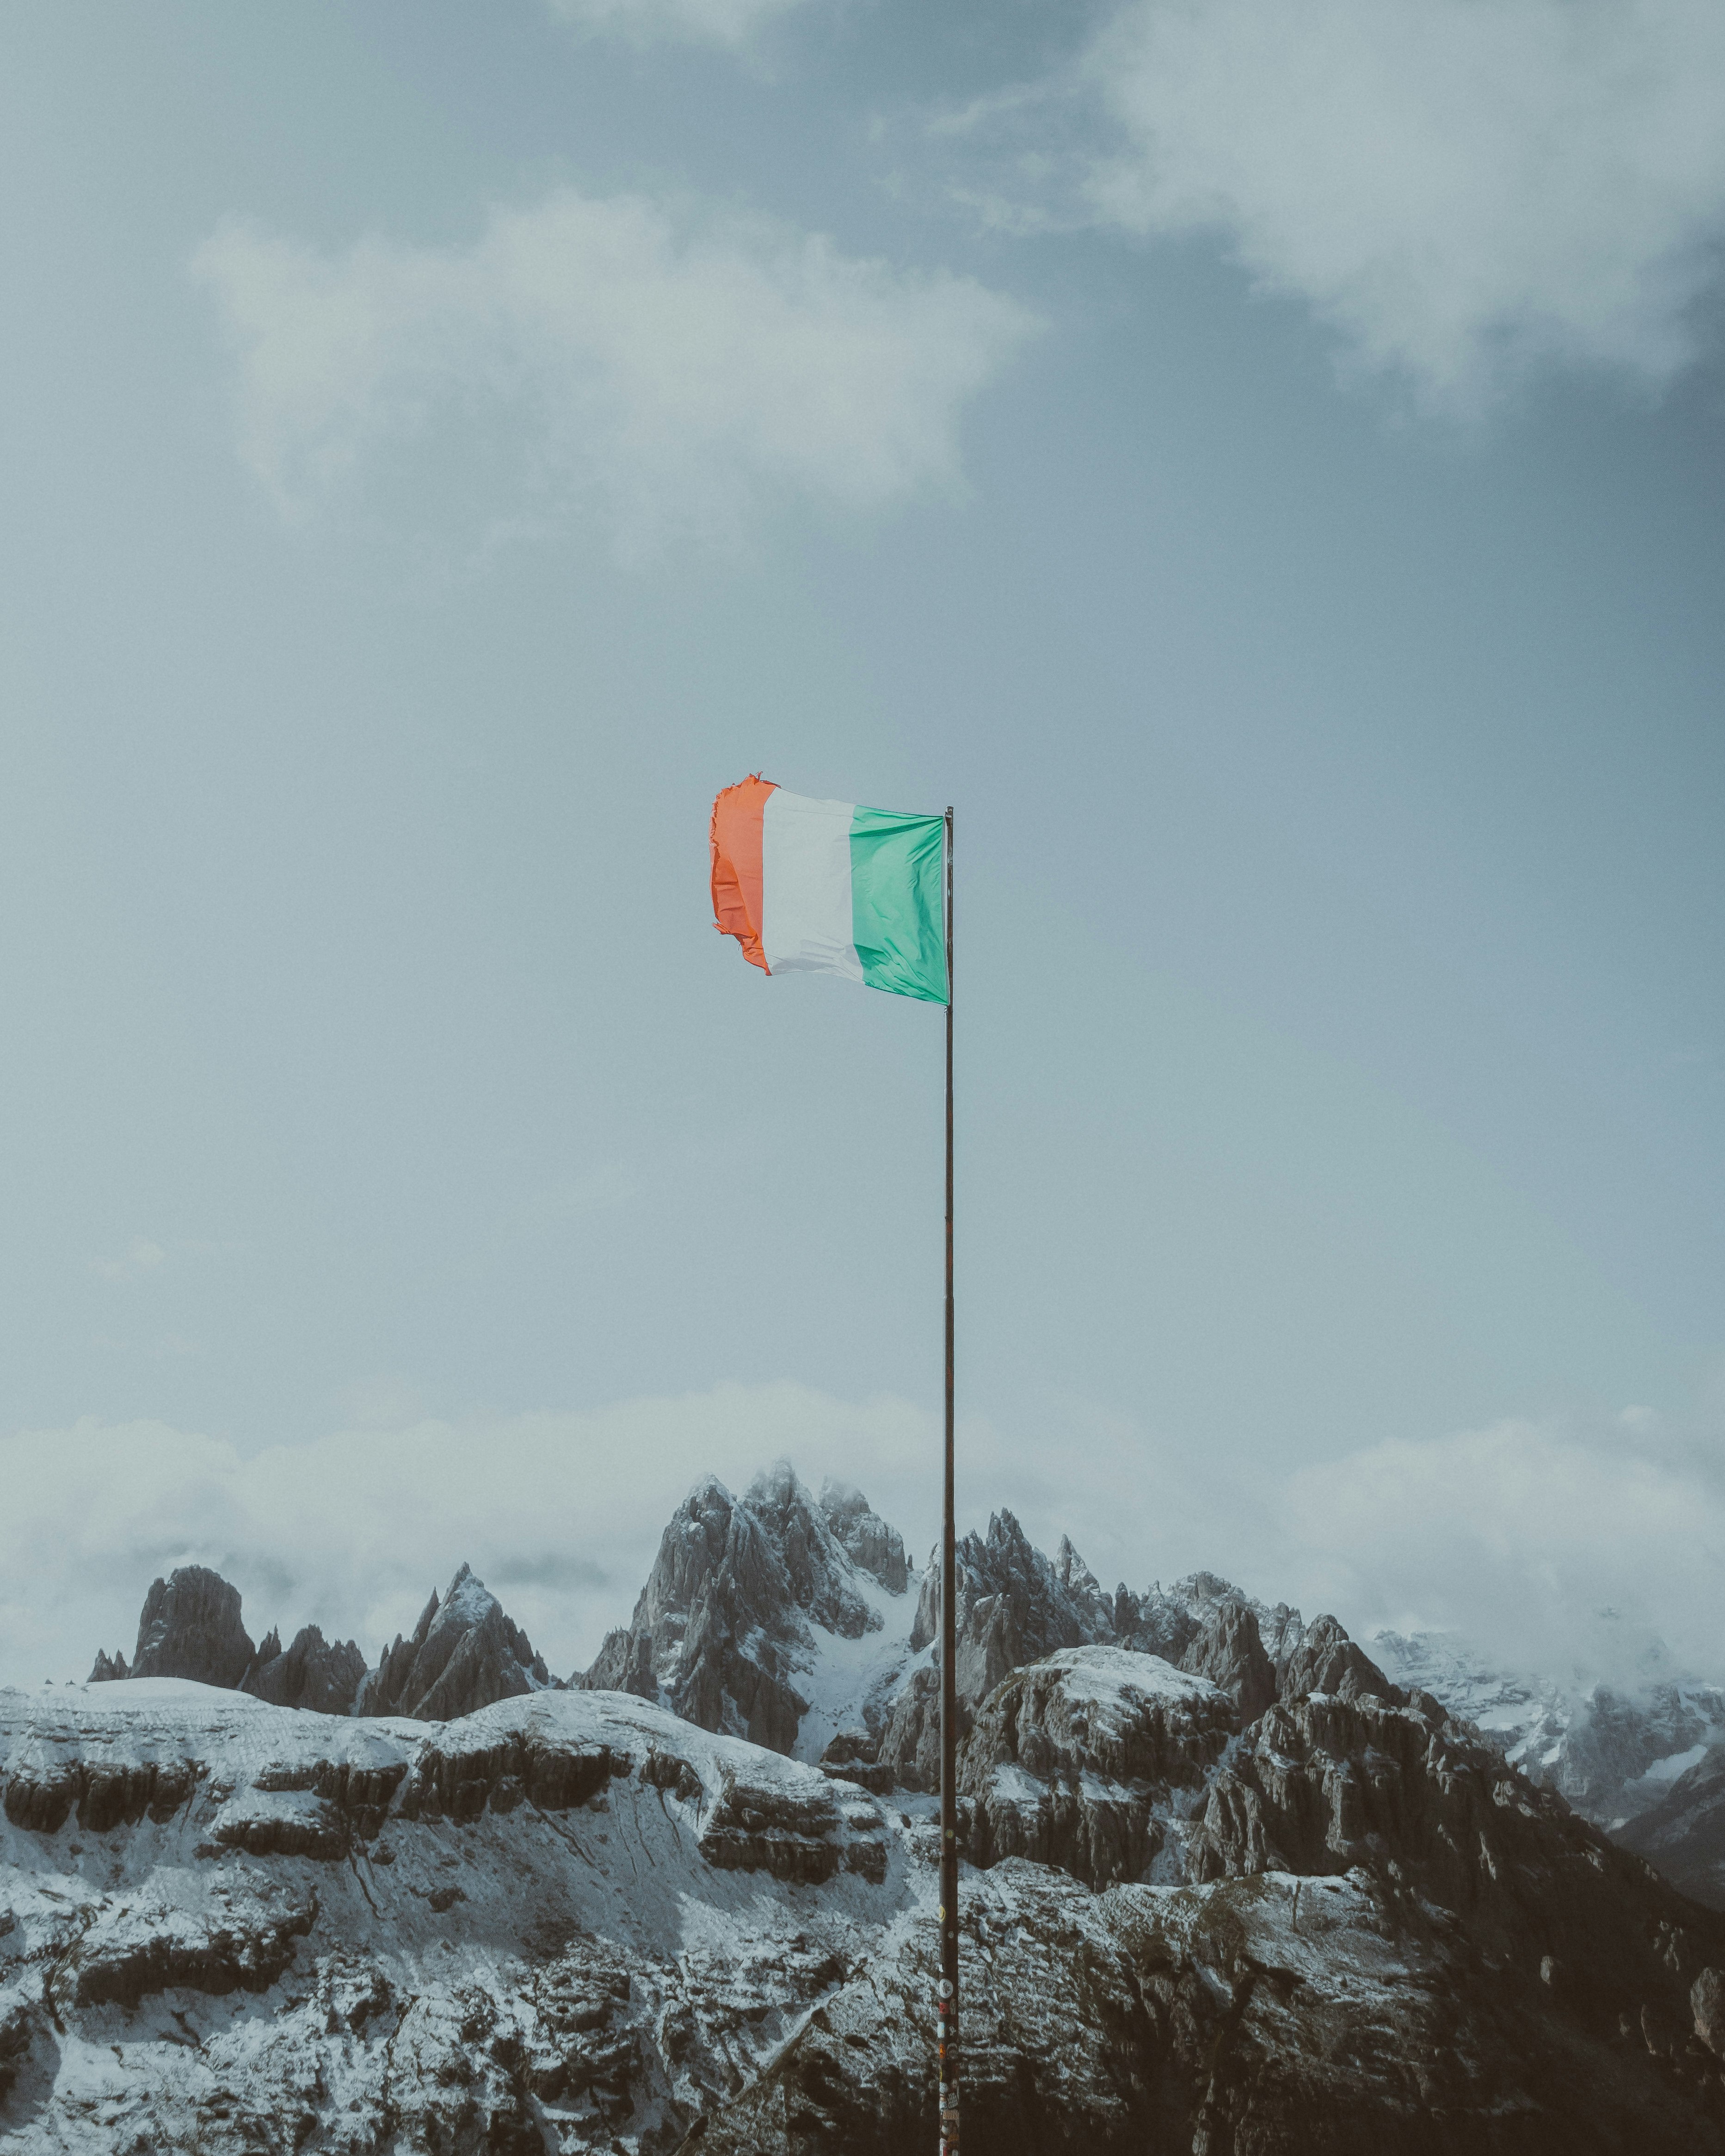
1612	1753
1232	1884
787	1618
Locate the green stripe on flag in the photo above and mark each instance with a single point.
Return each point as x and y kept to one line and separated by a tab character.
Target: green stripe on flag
897	917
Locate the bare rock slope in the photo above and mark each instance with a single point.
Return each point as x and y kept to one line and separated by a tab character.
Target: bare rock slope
321	1676
465	1653
1016	1606
1684	1833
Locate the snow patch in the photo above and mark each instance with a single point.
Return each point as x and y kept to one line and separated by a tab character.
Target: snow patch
843	1680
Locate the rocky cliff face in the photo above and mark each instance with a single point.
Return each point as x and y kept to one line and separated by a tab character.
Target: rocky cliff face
746	1595
1016	1606
738	1626
568	1921
1684	1833
1082	1760
1260	2016
464	1654
865	1538
190	1627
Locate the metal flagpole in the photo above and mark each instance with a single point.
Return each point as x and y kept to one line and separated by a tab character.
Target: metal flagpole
947	2002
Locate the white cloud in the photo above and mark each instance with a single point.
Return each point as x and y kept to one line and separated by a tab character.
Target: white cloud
1519	1534
671	371
1464	188
142	1256
647	21
560	1514
1525	1535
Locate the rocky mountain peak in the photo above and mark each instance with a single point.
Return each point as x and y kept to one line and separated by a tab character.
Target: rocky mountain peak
1683	1833
1017	1607
314	1673
1014	1605
865	1538
574	1920
465	1653
1073	1573
1327	1660
1082	1760
1228	1650
190	1627
820	1574
1618	1755
742	1595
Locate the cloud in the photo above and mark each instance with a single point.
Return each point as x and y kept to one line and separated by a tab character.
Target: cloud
560	1513
140	1257
1465	190
1555	1546
649	22
667	369
1520	1534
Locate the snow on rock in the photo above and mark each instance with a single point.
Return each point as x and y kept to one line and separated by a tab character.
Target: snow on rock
1273	2013
306	1930
1683	1829
1080	1760
849	1683
777	1616
1611	1752
872	1547
1016	1606
574	1922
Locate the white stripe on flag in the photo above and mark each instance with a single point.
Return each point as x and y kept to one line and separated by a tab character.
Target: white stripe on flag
805	887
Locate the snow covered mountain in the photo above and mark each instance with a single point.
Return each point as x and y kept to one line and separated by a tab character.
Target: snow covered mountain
574	1920
784	1618
465	1653
788	1619
1612	1753
1016	1606
1683	1834
778	1616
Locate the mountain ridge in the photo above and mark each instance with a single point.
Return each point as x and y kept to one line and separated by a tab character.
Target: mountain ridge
793	1619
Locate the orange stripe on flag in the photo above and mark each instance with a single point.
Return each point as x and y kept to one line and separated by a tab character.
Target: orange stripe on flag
736	836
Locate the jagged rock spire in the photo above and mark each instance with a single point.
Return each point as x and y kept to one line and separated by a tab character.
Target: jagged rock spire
314	1673
465	1653
742	1588
190	1627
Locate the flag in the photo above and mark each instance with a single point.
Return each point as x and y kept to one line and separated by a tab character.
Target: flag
827	887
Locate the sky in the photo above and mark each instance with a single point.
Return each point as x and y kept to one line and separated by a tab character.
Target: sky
1261	465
